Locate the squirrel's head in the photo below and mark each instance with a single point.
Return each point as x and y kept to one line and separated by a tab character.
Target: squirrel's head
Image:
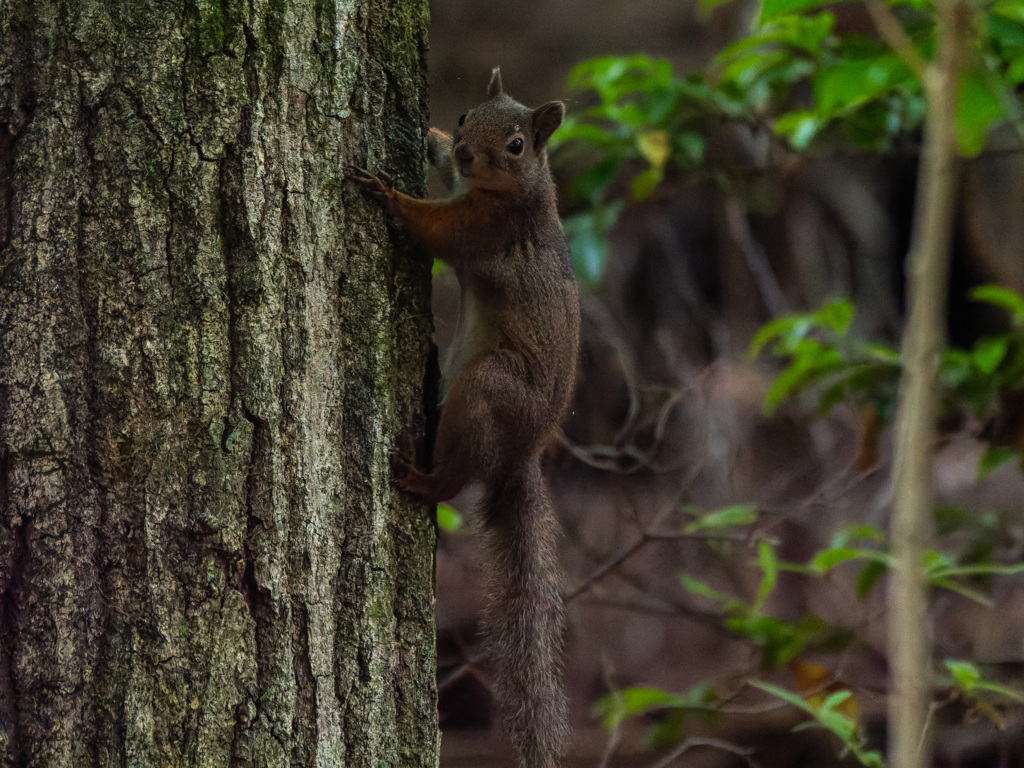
500	145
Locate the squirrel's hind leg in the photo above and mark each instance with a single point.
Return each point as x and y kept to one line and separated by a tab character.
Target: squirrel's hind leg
483	422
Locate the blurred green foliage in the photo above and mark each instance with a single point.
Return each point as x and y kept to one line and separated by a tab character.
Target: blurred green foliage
856	557
825	361
796	75
813	85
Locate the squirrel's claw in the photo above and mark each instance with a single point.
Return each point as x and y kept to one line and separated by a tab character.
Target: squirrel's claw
400	466
402	453
376	185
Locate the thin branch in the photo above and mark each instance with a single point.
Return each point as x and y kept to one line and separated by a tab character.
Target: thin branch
607	567
710	619
741	538
892	32
927	272
922	743
701	741
616	735
757	260
470	665
646	537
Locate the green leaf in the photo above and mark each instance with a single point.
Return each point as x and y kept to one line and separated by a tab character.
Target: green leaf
977	108
638	699
448	518
955	367
828	559
995	457
868	577
837	698
707	6
848	83
799	127
960	589
634	701
779	641
589	249
875	123
882	353
689	148
989	352
966	673
773	8
614	77
1011	9
935	562
1004	298
787	382
785	695
645	182
842	726
782	328
728	517
588	240
769	563
591	184
837	315
856	532
586	132
978	569
700	588
812	362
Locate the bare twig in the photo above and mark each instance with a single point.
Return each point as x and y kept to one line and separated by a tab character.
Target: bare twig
702	741
470	665
757	261
607	567
616	735
624	460
649	536
618	559
892	32
711	619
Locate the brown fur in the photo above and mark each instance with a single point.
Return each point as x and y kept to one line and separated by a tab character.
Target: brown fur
508	379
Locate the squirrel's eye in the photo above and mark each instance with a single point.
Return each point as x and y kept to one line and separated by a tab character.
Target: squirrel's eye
462	120
515	146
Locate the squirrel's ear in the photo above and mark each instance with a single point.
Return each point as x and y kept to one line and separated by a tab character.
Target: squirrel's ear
494	87
544	120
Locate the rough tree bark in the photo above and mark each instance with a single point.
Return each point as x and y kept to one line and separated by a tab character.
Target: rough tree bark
207	344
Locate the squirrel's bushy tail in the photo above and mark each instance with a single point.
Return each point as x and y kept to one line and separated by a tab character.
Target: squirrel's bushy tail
524	621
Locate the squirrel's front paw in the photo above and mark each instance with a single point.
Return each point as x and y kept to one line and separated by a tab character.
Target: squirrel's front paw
402	456
401	466
407	478
380	186
404	474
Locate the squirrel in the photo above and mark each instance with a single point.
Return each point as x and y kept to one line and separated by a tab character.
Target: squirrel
506	384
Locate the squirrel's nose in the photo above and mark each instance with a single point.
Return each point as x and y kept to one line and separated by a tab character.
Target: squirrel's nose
463	154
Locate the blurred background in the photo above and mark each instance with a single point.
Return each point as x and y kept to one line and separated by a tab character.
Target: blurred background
669	427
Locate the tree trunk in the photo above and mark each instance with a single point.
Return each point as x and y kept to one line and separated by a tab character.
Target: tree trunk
207	344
